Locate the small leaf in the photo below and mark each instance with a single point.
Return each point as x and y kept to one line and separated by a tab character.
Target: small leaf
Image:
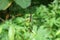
57	23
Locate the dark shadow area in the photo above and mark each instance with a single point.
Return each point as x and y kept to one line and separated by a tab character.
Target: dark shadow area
39	2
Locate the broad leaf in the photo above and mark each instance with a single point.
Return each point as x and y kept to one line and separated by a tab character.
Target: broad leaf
4	4
23	3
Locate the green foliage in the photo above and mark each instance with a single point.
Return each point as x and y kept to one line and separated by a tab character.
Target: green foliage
41	33
38	23
4	4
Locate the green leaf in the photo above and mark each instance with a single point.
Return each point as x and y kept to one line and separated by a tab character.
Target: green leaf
4	4
23	3
41	34
58	32
1	28
11	32
51	22
57	23
57	39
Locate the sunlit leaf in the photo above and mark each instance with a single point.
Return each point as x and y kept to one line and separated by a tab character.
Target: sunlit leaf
1	28
11	32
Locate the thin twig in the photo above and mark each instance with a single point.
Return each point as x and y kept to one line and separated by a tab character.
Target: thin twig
2	19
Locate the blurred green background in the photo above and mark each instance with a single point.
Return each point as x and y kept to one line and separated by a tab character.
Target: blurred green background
38	21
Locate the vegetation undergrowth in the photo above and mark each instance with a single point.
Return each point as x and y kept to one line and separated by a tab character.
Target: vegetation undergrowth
32	21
